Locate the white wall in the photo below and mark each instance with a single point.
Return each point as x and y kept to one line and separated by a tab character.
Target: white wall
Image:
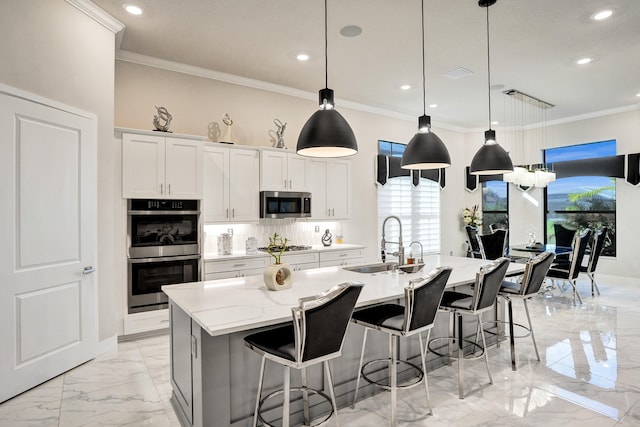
52	49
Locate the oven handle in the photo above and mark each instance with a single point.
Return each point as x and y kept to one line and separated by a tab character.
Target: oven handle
164	258
164	212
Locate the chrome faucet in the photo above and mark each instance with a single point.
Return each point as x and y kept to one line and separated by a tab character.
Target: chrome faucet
421	250
383	244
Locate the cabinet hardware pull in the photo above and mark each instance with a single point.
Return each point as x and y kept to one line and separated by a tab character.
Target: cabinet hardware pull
161	192
285	183
169	188
233	213
227	214
238	265
333	212
290	185
341	255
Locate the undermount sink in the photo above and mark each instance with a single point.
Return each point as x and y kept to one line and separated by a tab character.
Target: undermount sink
372	268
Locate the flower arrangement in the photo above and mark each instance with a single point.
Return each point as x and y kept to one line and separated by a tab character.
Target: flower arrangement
276	247
472	216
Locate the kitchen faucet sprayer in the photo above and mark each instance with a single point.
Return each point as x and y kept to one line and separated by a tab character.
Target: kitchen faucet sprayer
383	243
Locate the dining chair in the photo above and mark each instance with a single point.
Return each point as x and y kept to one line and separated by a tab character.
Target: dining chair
473	241
596	249
315	336
494	245
534	275
564	237
569	272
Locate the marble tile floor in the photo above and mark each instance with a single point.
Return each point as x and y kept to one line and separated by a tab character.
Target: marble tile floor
589	375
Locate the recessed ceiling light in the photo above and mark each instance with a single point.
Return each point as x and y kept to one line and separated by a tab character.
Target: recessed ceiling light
433	105
405	87
494	122
302	57
351	31
638	94
603	14
132	9
583	61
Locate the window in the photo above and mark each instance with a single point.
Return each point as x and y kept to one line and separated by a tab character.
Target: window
495	205
582	201
418	207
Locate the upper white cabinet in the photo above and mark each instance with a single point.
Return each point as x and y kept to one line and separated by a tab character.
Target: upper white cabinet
231	184
283	171
330	186
162	167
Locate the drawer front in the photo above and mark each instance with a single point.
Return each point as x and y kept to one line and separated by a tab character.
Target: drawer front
340	255
305	266
234	265
301	258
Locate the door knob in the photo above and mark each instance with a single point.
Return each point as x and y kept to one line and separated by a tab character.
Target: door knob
88	270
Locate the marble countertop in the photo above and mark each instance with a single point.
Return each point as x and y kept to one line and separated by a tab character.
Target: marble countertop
238	304
241	254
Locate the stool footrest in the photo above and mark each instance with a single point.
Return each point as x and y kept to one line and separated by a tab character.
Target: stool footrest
300	389
527	334
414	381
451	339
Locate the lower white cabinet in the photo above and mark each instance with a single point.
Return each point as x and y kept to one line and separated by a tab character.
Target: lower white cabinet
304	261
225	269
339	258
146	321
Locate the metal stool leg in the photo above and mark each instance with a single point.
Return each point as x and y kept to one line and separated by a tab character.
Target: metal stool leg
327	372
255	412
594	285
305	395
423	350
533	338
460	356
287	392
512	338
364	342
486	353
393	376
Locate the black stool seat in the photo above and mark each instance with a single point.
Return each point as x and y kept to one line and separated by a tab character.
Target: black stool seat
386	315
279	342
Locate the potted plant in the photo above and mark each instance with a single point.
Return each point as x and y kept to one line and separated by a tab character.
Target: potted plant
277	276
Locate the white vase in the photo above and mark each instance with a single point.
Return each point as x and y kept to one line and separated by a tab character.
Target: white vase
278	276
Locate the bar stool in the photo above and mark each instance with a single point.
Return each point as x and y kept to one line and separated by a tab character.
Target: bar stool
422	298
569	272
534	275
315	335
485	292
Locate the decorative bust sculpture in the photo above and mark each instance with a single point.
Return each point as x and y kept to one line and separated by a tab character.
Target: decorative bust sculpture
226	137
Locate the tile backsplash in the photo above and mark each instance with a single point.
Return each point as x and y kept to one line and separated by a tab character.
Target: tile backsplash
298	232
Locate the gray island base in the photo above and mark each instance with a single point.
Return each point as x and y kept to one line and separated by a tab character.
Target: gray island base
214	376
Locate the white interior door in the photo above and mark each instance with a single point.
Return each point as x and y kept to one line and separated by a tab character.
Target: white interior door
48	253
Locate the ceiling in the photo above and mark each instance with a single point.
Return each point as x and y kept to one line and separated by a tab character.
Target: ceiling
534	48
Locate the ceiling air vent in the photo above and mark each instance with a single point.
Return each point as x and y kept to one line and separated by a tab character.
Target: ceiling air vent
458	73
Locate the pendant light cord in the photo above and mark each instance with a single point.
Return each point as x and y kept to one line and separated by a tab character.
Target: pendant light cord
488	68
424	78
326	56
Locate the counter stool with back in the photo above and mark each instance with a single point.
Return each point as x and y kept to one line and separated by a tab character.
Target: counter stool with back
315	336
422	298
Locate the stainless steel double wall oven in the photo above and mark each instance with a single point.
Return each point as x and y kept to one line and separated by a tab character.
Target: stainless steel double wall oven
164	248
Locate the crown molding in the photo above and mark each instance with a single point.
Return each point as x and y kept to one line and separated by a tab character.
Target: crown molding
150	61
97	14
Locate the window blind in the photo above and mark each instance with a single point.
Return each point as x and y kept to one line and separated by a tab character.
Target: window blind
418	207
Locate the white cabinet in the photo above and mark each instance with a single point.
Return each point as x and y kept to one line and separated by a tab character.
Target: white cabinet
330	186
231	184
161	167
223	269
300	262
283	171
339	258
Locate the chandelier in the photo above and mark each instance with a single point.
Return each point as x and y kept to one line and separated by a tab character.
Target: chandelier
526	109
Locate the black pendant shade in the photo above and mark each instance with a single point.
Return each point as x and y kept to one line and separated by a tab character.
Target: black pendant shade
491	158
425	150
326	133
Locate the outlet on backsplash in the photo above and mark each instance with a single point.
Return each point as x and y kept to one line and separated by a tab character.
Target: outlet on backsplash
298	232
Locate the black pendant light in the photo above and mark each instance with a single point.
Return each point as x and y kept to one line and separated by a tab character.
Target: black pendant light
491	158
326	133
425	150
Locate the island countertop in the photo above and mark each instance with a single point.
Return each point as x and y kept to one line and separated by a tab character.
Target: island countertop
238	304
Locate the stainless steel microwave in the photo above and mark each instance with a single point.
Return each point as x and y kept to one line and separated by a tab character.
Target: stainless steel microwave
285	204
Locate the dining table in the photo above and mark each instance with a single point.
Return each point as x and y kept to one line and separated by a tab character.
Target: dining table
533	250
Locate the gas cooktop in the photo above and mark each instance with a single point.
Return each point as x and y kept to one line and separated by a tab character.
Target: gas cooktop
287	249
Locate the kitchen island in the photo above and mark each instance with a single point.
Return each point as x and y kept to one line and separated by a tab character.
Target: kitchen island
214	377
